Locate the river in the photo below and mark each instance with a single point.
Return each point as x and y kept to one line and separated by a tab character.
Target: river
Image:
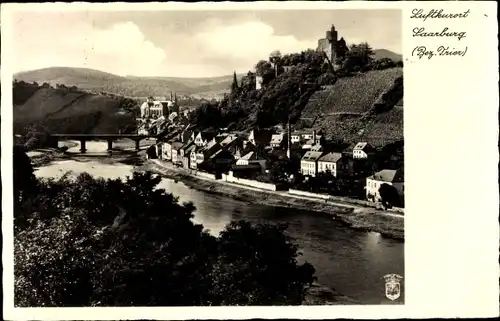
351	261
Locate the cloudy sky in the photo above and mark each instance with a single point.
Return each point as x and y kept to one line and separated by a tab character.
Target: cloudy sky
189	43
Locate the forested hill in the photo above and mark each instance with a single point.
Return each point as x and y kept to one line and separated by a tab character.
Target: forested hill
70	110
355	101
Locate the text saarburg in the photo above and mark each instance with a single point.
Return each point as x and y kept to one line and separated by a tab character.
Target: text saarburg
422	32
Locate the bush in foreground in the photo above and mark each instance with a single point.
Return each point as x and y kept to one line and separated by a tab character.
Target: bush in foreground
96	242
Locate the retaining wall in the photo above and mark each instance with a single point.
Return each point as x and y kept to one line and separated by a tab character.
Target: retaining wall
308	194
248	182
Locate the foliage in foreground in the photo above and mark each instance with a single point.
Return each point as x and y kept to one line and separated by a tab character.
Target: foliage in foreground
96	242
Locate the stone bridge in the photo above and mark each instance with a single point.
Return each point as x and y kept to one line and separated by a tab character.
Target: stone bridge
83	138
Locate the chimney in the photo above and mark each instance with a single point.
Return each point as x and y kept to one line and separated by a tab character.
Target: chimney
171	97
289	140
314	137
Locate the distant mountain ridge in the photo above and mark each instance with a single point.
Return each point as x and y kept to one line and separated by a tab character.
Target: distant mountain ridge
135	86
384	53
130	86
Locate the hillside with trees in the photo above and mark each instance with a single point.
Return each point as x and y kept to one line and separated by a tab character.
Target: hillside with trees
70	110
350	99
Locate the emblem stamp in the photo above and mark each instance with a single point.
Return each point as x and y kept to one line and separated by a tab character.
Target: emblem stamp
392	286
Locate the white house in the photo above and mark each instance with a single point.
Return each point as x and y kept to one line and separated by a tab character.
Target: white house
387	176
330	162
278	140
295	137
363	150
309	163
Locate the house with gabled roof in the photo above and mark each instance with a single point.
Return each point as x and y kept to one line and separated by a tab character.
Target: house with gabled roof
331	162
203	153
250	163
186	154
176	148
279	140
203	138
309	163
363	150
391	177
220	161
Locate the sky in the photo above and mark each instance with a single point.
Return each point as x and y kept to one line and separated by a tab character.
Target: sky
187	43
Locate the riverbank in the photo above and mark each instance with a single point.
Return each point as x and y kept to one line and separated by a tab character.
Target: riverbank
355	216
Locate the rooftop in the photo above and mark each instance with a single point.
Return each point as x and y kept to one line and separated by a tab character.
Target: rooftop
312	156
331	157
389	175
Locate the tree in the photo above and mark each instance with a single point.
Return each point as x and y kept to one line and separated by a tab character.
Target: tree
234	85
96	242
389	195
258	265
25	182
358	58
262	67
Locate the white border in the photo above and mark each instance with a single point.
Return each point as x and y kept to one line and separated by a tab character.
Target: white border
451	136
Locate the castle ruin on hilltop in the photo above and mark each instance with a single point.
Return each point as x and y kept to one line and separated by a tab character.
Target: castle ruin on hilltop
333	47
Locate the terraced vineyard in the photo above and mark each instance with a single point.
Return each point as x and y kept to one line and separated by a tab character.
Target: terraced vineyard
346	110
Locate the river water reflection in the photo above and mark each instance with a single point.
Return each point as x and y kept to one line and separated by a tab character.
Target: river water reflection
351	261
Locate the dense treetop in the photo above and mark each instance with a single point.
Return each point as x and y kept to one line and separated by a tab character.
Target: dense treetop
93	242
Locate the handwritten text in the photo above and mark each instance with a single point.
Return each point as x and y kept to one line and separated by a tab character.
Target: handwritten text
424	52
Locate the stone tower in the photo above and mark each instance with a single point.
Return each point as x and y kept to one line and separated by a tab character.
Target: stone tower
333	47
331	44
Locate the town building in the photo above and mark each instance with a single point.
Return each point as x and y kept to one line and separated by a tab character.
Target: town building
296	137
309	163
176	153
155	114
390	177
253	158
203	138
311	140
278	140
192	157
204	153
331	162
220	161
363	150
260	138
186	158
232	143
